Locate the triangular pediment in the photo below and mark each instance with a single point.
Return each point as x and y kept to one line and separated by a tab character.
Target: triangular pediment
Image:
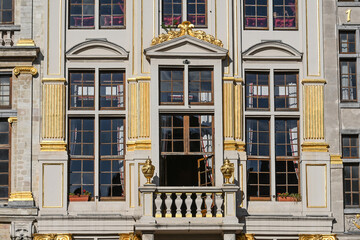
97	49
185	46
272	50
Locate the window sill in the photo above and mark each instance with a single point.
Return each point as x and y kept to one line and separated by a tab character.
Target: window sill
351	210
349	105
5	113
9	27
348	4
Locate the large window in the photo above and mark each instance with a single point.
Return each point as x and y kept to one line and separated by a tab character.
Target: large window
82	13
5	142
285	14
7	12
172	86
174	11
97	136
256	14
112	13
5	90
264	145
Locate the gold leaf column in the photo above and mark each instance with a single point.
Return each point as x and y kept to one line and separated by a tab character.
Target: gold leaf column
53	114
144	142
314	140
238	115
133	113
228	113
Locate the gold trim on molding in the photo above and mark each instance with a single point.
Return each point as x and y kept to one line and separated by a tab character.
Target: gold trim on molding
239	80
25	70
130	146
317	237
143	78
229	145
12	120
53	80
336	159
240	146
53	236
21	196
315	147
307	80
143	144
52	146
228	79
26	42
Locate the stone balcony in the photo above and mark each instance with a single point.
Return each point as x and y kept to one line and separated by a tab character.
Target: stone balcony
189	208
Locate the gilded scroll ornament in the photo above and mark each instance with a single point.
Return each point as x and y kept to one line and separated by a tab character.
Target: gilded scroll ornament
148	170
227	169
186	28
354	221
245	236
25	69
53	236
317	237
129	236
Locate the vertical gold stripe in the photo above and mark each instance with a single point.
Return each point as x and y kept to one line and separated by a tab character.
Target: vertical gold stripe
133	110
314	112
148	109
238	112
322	112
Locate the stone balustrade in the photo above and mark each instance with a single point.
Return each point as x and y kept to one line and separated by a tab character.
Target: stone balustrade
7	33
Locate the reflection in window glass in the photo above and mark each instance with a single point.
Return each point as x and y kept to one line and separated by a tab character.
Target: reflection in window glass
196	12
81	137
256	13
112	13
171	86
348	80
257	90
112	90
257	137
285	14
200	86
81	13
171	12
5	91
285	91
82	90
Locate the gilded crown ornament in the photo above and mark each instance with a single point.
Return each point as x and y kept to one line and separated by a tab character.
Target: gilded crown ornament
227	169
186	28
148	170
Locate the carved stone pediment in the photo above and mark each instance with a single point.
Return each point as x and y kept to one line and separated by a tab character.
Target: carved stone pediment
97	49
272	50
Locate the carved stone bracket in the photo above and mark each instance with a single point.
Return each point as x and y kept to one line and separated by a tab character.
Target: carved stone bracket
53	236
26	70
22	230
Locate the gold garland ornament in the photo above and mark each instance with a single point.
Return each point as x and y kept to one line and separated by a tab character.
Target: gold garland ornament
186	28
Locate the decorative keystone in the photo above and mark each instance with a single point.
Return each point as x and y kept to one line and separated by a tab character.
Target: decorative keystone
148	170
227	169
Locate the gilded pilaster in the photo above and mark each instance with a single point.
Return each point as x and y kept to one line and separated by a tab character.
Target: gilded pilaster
133	113
228	113
238	115
53	115
144	142
314	116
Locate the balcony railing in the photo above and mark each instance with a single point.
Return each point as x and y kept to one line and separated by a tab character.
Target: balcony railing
189	202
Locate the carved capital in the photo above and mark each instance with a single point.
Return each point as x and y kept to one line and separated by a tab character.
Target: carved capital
25	69
318	237
53	236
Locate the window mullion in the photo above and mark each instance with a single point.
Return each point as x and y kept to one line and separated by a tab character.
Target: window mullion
186	85
186	134
272	158
184	10
96	156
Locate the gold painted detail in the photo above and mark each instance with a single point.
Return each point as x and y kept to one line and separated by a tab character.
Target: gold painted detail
148	170
53	236
315	80
240	146
144	144
317	237
25	70
230	145
315	147
21	196
186	28
245	236
133	97
53	80
144	105
314	111
130	146
25	42
336	159
129	236
227	169
238	112
12	119
53	111
228	109
52	146
354	221
348	15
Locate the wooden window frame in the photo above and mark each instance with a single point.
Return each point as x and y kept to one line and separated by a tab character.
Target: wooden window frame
111	85
350	146
257	96
284	17
82	85
256	16
81	16
10	92
112	15
12	14
351	180
200	81
288	158
196	14
171	81
172	14
260	158
286	96
7	147
186	135
347	42
82	157
348	87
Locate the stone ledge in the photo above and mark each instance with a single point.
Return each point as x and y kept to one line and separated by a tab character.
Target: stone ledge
18	211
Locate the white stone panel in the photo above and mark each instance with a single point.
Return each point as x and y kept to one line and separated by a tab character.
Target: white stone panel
53	185
316	195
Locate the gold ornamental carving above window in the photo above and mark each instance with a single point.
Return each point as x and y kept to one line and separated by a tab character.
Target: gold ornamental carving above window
186	28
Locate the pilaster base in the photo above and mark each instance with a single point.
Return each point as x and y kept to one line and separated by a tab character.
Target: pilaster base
20	199
315	147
